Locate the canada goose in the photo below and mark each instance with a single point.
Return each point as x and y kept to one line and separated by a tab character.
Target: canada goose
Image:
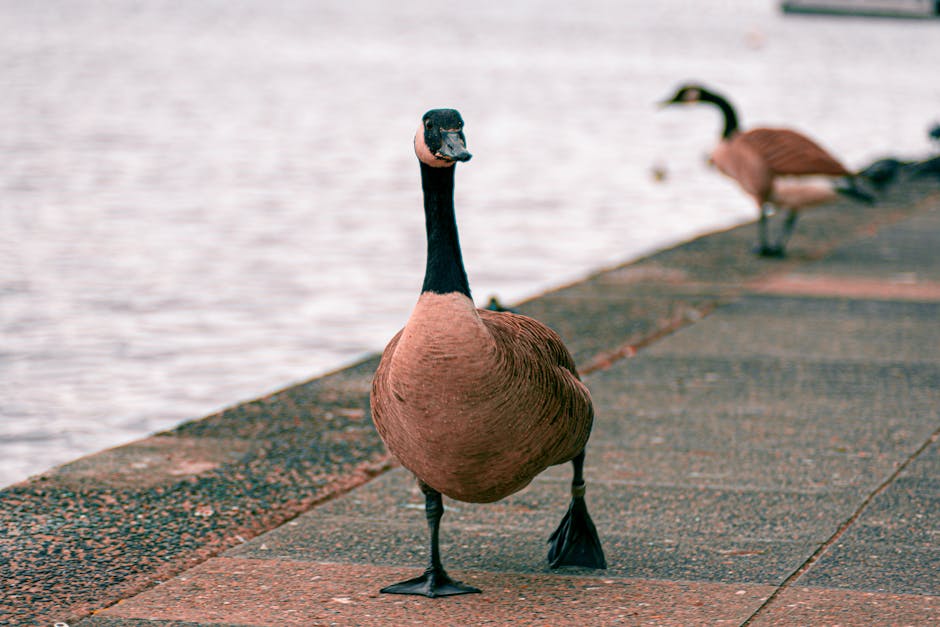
773	165
476	403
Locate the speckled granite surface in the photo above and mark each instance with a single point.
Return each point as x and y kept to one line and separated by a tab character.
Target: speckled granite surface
708	512
89	533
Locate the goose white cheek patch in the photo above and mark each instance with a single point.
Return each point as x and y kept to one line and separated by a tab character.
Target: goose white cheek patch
424	153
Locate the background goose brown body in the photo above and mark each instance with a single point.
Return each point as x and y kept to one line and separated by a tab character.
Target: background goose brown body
771	164
477	403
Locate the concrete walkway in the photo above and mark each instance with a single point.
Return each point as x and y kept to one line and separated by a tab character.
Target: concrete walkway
766	453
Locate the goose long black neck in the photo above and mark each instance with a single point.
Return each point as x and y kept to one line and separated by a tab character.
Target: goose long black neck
731	119
445	271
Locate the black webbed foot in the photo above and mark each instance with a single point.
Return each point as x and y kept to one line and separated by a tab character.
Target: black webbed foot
776	252
433	583
575	542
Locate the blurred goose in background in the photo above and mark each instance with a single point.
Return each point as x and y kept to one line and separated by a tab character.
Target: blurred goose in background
777	167
475	402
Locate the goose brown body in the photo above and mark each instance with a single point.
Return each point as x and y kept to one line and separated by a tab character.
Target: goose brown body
476	403
766	161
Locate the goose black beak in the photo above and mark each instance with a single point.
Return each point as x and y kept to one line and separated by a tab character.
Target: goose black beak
453	147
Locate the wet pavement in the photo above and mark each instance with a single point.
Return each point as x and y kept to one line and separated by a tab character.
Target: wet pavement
766	452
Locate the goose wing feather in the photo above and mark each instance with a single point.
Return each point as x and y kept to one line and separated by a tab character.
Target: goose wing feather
788	152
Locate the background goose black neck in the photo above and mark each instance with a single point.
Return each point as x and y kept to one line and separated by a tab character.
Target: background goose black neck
444	272
731	119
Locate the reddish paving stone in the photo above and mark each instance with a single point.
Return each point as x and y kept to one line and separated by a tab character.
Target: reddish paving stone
824	607
285	593
849	287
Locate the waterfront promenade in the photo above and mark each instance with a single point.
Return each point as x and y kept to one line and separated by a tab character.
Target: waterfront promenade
765	453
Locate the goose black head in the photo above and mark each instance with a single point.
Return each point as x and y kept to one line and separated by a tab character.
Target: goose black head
690	93
686	94
440	141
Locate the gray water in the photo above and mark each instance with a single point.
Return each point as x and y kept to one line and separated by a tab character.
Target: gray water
202	202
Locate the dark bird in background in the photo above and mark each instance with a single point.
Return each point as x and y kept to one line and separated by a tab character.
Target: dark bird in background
887	171
934	133
494	304
474	402
777	167
883	172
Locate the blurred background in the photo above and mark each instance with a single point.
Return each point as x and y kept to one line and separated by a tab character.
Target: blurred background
202	202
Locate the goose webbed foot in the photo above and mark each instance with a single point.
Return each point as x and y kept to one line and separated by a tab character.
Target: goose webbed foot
765	250
435	582
575	542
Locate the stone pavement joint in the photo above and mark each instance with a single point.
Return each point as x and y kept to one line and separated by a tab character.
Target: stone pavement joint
799	572
900	288
684	317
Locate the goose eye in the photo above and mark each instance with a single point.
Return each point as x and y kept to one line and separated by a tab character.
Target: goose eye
427	124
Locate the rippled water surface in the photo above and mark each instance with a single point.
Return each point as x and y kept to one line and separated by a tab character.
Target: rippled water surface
201	202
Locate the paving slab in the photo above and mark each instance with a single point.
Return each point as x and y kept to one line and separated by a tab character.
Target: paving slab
761	424
804	606
705	534
894	546
240	591
903	252
820	329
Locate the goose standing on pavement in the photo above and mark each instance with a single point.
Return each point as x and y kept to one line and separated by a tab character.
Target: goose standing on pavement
474	402
777	167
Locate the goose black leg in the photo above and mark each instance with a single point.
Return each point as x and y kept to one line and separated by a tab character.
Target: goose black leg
575	542
434	582
764	249
787	230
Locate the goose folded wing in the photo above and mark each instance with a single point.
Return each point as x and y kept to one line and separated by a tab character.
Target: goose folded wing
535	353
787	152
